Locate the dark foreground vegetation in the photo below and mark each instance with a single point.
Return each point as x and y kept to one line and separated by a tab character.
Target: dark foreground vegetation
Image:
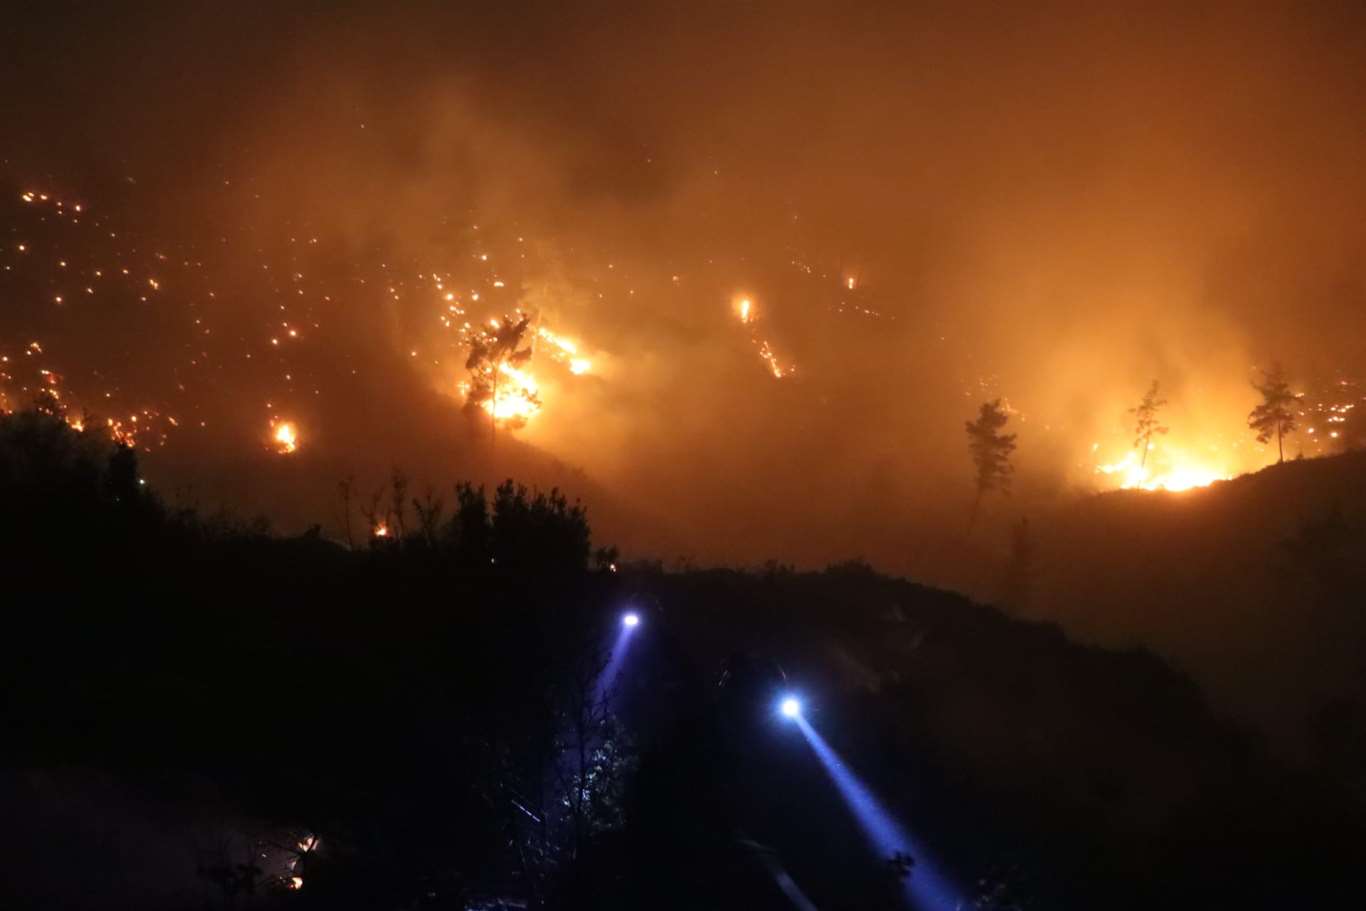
198	714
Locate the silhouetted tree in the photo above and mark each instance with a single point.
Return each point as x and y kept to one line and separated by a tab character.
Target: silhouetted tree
605	559
398	502
376	520
559	782
469	526
1145	421
991	451
429	511
594	756
533	528
47	402
121	480
1275	416
56	480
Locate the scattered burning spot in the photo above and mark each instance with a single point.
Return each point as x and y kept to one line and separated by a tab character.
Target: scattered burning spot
747	314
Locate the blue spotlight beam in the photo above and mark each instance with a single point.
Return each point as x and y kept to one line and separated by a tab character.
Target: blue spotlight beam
629	622
926	888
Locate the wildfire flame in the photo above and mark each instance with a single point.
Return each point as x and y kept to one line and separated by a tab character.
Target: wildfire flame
516	396
1162	473
286	438
507	389
566	351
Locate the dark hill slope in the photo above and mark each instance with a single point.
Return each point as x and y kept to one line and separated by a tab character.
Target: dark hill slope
196	680
1256	586
1005	746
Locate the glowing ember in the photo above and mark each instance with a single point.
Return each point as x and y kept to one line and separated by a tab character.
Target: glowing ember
296	883
381	530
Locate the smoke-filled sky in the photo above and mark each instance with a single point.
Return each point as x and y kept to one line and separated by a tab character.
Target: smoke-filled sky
927	206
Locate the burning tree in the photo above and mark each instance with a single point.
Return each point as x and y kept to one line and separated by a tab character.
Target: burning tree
1275	416
1145	421
991	451
495	357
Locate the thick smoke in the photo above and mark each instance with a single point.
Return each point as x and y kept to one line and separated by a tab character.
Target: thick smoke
1054	205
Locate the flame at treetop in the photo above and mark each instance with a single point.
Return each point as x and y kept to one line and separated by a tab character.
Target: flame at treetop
501	383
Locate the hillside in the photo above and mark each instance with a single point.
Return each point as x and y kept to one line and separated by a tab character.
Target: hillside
207	692
1254	586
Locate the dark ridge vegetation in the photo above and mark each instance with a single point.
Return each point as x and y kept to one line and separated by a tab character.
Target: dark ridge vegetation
198	712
